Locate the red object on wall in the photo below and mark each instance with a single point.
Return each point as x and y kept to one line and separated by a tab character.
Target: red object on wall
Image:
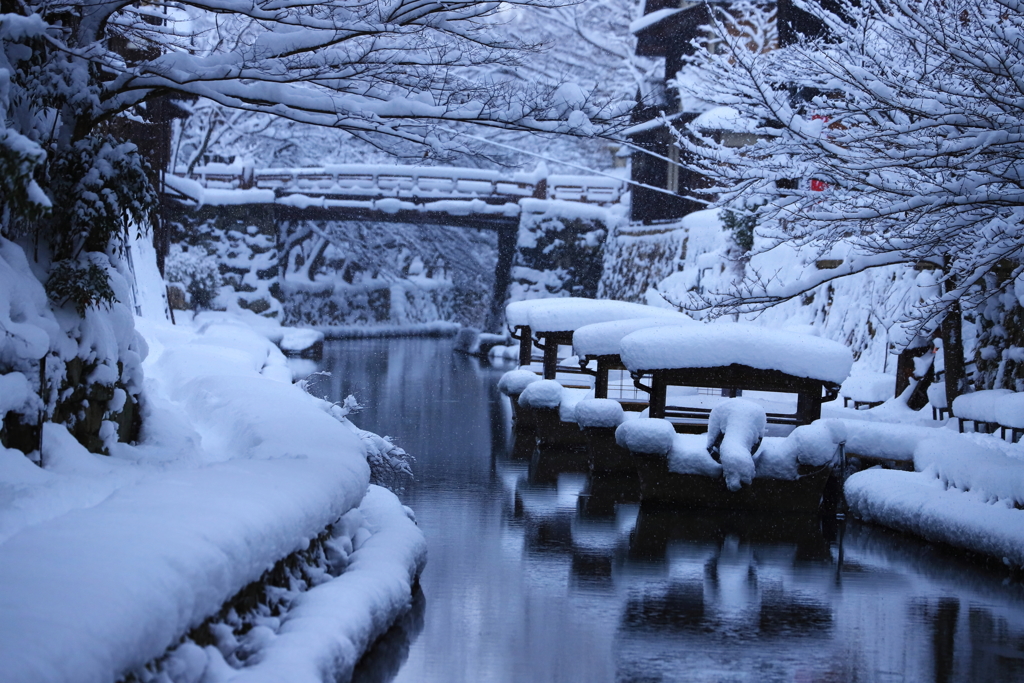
818	185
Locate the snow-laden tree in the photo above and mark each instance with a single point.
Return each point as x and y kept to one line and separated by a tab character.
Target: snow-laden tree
580	57
79	78
406	70
895	138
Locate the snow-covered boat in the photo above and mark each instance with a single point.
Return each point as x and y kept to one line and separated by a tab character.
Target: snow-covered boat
732	359
548	324
736	465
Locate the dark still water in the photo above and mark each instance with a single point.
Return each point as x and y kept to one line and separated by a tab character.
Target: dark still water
528	580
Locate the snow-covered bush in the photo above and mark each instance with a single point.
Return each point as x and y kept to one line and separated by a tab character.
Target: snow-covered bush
71	362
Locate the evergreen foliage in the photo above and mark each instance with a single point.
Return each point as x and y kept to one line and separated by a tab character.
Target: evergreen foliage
82	284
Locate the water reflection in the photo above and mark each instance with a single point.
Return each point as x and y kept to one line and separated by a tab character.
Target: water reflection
538	572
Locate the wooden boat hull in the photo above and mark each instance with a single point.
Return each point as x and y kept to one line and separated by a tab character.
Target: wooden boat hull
553	432
661	488
606	456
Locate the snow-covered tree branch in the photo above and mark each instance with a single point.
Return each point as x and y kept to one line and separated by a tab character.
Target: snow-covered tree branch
896	139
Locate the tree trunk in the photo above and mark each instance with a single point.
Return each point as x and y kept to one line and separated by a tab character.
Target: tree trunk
953	346
953	353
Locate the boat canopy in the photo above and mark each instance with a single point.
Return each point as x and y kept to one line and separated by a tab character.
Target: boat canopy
568	317
724	344
602	339
517	313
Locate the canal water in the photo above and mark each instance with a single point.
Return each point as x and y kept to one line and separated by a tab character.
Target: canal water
536	574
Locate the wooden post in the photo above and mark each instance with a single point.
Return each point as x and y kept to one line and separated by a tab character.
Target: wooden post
601	380
905	362
507	239
659	391
808	405
953	354
550	357
525	346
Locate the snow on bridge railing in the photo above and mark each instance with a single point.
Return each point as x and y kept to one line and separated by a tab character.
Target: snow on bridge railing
412	181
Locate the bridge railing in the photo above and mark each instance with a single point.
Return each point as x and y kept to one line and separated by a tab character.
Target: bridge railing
412	181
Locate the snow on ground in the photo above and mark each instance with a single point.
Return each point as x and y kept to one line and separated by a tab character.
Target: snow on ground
109	561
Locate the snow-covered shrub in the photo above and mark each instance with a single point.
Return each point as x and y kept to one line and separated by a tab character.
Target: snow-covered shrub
80	363
197	271
390	465
97	183
82	284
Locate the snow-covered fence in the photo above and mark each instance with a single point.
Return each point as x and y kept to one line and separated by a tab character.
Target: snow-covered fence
363	180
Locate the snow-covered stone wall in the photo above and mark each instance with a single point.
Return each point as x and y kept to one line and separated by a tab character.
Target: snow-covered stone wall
638	257
560	249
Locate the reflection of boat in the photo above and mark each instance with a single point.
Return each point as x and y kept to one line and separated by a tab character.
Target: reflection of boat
662	488
696	472
656	529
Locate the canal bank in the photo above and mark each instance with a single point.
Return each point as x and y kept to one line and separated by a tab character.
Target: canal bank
529	581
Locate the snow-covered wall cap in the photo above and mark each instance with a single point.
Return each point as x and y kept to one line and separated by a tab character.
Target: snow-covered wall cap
517	313
602	339
568	317
721	344
513	382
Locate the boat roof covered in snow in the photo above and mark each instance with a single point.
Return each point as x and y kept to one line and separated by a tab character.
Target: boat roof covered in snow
572	314
603	339
724	344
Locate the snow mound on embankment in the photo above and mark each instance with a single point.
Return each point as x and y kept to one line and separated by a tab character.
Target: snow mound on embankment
235	470
968	491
